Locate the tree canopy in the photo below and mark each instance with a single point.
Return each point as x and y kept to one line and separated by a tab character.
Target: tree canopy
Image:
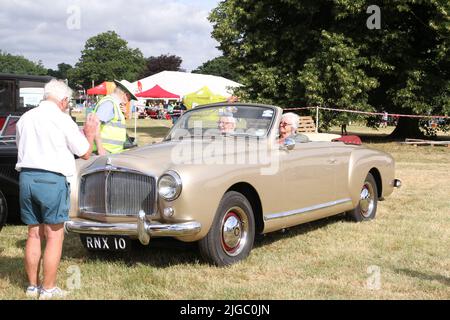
220	66
20	65
106	57
323	53
160	63
61	72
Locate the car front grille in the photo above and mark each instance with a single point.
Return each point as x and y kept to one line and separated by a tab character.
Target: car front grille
117	193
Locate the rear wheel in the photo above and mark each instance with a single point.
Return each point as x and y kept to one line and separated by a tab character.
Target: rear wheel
3	210
368	200
232	233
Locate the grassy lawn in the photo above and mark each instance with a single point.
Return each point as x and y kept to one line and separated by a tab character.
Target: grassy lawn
408	243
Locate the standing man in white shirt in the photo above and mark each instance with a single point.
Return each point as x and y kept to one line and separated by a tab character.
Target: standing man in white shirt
47	140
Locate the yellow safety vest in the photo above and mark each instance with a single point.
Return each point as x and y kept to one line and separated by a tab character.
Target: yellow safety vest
114	132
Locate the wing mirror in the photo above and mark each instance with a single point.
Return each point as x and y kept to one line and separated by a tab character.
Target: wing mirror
289	143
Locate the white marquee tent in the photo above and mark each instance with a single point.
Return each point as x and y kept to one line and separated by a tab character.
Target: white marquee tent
183	83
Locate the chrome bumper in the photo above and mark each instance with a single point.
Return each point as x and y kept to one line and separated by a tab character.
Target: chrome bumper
397	183
142	229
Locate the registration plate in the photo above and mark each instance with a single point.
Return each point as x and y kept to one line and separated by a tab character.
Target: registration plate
111	243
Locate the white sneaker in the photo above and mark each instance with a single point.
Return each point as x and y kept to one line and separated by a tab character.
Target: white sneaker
55	293
33	291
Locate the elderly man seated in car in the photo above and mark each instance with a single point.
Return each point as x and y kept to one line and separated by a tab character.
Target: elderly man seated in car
227	123
288	128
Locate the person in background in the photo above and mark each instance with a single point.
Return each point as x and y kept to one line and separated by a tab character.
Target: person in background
178	111
110	110
384	119
344	129
47	140
183	108
170	108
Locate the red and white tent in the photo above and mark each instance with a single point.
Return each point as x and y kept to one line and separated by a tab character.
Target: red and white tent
157	93
183	83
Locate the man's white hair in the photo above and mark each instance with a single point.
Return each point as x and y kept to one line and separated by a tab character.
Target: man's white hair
57	89
294	119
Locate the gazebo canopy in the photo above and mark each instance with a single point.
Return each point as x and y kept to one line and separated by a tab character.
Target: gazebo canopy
202	96
157	93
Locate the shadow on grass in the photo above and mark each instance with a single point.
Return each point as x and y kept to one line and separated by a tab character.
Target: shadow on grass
161	252
425	276
166	252
262	240
12	269
21	243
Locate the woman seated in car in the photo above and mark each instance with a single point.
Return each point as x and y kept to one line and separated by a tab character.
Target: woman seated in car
288	128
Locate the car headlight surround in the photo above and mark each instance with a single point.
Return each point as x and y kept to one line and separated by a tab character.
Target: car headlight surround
169	185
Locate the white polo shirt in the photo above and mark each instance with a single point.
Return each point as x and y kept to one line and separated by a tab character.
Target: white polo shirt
47	139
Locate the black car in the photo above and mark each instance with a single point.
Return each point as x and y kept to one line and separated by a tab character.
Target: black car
9	177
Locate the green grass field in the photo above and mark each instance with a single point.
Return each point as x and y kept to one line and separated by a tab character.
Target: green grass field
403	254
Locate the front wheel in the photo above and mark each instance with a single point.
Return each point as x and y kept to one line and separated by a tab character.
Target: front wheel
368	200
3	210
232	233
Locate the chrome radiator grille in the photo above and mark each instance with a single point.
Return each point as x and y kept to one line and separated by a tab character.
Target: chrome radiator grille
117	193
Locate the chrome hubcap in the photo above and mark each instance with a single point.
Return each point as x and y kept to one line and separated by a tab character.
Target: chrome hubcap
367	200
234	231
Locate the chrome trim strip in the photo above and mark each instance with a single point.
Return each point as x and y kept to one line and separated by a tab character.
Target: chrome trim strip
107	174
108	167
279	215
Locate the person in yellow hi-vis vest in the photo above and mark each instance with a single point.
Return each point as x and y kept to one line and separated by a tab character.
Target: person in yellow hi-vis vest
110	111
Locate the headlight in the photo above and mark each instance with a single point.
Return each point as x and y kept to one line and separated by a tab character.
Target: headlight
169	186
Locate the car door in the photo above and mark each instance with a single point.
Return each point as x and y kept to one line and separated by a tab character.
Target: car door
341	155
308	176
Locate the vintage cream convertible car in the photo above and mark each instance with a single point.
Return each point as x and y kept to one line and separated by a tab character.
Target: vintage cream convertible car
221	187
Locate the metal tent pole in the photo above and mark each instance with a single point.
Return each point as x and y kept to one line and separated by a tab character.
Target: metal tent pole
317	119
135	124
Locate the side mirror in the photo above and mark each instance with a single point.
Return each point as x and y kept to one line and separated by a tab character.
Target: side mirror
289	143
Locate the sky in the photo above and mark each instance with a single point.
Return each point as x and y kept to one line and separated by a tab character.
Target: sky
56	31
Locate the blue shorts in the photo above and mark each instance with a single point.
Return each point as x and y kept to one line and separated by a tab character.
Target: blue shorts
44	197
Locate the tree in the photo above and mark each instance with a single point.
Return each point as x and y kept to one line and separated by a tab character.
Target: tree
220	66
333	77
20	65
163	62
106	57
322	52
61	72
